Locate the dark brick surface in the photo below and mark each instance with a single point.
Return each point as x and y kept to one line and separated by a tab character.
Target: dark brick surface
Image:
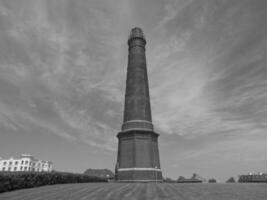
138	144
138	149
133	124
137	104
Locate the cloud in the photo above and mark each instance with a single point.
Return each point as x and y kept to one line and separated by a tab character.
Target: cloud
208	89
57	72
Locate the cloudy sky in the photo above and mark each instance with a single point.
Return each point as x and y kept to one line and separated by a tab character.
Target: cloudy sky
63	70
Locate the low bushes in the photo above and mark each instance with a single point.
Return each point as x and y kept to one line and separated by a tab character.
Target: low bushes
18	180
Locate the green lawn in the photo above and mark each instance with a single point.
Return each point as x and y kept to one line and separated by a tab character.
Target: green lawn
142	191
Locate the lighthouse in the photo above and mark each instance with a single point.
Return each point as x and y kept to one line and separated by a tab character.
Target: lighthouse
138	153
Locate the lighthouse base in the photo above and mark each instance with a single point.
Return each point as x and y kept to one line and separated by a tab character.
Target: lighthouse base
139	175
138	157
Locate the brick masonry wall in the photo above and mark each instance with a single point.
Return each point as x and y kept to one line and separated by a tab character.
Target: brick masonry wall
138	149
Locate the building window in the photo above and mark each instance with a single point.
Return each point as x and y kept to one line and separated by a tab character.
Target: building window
15	168
16	162
26	162
5	163
22	162
4	168
9	169
10	162
25	168
21	168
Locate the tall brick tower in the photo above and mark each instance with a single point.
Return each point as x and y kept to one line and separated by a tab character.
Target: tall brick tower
138	154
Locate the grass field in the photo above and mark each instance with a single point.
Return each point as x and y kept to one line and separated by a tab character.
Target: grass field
142	191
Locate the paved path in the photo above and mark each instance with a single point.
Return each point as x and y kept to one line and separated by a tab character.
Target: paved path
141	191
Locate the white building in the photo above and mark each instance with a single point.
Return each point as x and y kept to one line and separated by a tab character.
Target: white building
25	163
